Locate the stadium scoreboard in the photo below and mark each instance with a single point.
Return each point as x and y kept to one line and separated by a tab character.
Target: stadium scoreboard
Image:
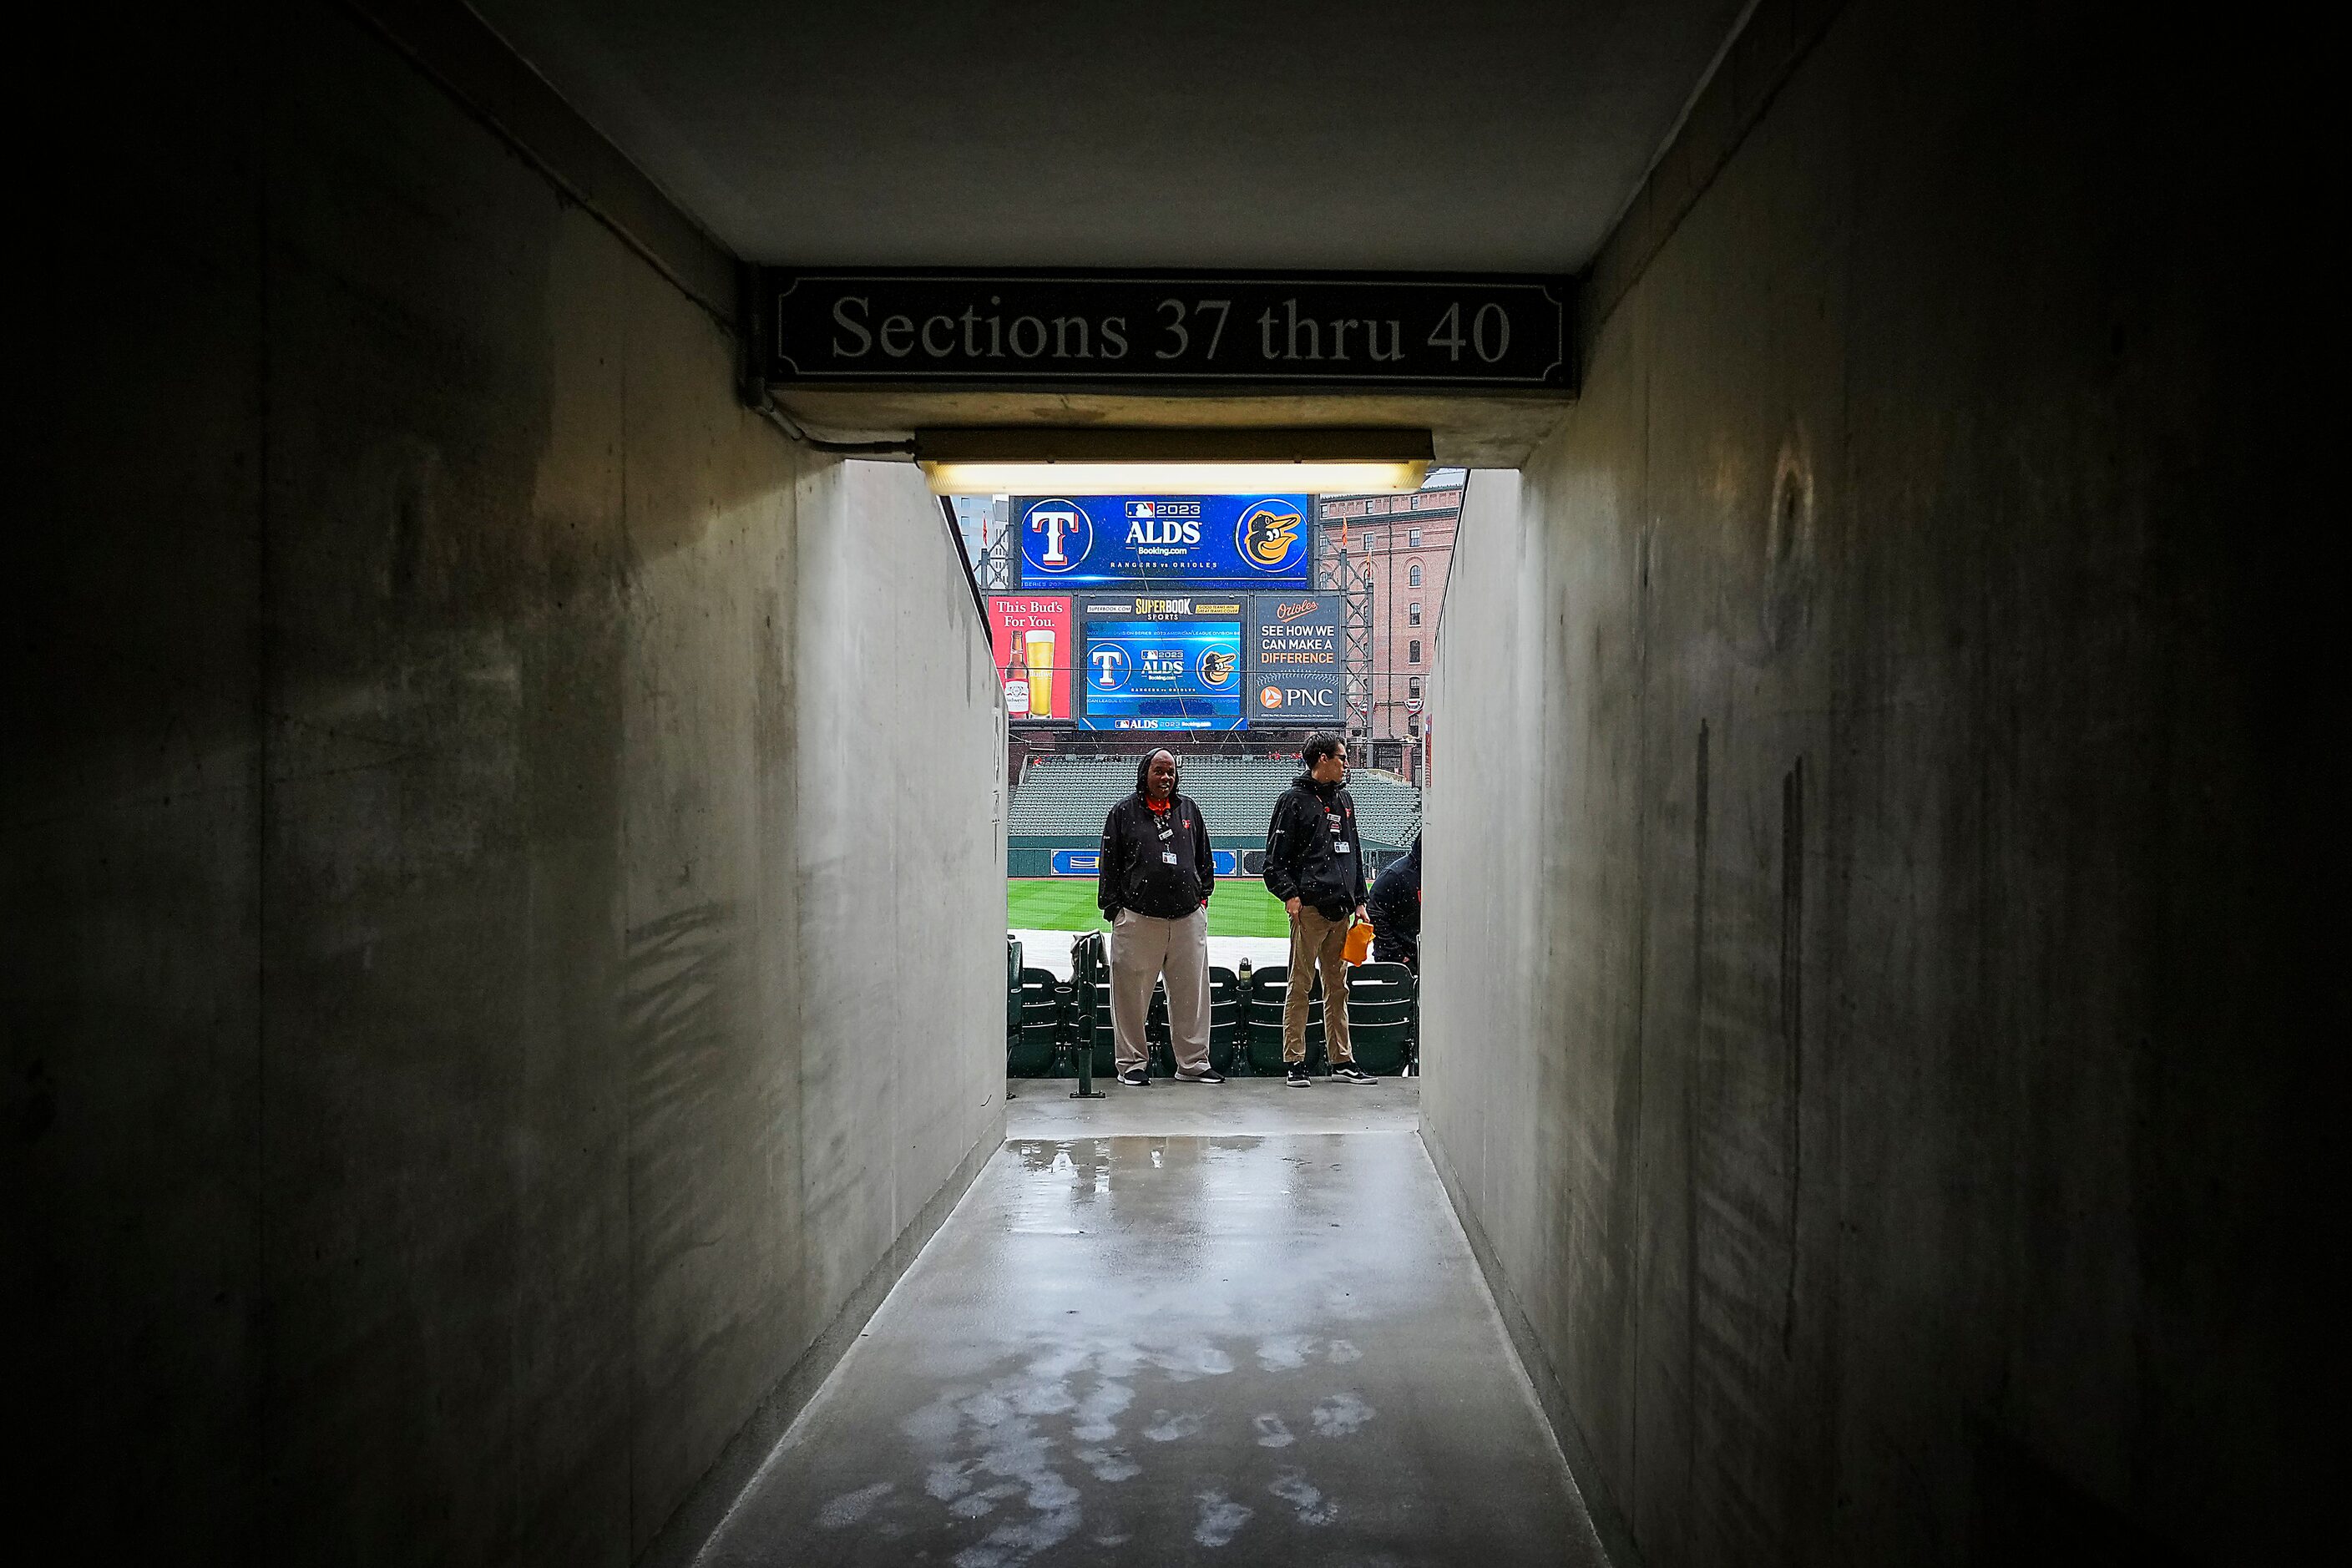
1166	613
1168	660
1160	663
1163	543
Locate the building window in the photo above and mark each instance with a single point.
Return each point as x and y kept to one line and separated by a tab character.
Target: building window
1412	651
1413	724
1412	539
1413	613
1413	573
1412	687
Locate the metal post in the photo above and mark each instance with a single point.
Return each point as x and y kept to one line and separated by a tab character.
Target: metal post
1083	974
993	570
1354	587
1016	1014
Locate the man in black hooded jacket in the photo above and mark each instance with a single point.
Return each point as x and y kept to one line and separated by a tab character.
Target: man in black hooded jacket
1395	907
1316	867
1156	878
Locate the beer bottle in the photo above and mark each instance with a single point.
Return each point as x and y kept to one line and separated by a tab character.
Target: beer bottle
1016	685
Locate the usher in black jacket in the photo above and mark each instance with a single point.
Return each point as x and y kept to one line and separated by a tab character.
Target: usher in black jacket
1395	908
1300	862
1134	877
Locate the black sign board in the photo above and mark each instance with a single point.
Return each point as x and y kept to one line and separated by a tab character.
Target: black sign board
1143	331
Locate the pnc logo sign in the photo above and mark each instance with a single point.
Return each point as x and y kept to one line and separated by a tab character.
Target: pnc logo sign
1056	536
1267	535
1272	698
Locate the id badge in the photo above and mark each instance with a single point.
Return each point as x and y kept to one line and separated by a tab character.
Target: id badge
1341	847
1168	856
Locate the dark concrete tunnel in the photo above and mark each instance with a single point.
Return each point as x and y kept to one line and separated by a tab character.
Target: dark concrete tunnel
507	796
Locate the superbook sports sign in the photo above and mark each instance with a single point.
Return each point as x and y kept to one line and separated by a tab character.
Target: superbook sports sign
1234	542
971	328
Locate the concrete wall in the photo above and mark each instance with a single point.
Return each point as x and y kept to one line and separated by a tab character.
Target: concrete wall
1867	985
503	916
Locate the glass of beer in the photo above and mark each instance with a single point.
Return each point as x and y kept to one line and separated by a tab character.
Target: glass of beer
1039	643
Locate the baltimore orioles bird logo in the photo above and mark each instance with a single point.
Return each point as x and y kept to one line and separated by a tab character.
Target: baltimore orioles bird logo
1267	535
1216	667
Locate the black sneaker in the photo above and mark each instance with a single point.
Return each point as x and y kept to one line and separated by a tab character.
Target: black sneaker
1135	1078
1206	1074
1297	1078
1349	1072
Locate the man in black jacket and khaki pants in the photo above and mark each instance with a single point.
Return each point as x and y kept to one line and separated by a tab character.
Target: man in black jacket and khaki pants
1156	876
1315	865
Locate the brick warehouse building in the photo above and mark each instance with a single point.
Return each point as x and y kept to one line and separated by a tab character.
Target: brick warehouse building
1402	545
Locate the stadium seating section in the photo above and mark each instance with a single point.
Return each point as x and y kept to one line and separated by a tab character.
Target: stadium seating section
1065	797
1052	1025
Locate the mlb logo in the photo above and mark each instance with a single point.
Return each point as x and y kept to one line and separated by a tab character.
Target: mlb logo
1140	508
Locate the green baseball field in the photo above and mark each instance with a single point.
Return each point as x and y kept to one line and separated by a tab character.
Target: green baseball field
1241	907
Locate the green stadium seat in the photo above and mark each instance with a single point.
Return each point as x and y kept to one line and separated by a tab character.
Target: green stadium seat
1225	1032
1106	1042
1380	998
1160	1053
1267	988
1038	1046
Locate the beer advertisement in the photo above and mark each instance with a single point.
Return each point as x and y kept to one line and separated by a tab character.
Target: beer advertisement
1034	655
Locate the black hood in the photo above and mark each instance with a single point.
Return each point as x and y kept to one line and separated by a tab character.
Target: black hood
1142	784
1412	855
1309	782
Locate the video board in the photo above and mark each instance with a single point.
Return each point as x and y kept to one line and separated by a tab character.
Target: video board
1173	543
1156	661
1160	663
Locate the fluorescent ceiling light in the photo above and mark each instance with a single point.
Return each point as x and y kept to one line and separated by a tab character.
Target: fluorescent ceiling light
1024	460
1172	479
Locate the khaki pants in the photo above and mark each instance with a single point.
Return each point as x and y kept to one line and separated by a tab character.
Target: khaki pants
1313	941
1142	948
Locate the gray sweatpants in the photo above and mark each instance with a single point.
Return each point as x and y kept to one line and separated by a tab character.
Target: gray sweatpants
1142	948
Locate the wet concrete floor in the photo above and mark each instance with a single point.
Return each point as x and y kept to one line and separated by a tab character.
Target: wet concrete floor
1041	1107
1139	1346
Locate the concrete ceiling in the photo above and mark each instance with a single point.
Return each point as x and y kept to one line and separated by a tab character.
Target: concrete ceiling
1479	134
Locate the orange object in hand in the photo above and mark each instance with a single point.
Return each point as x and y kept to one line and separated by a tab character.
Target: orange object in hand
1360	942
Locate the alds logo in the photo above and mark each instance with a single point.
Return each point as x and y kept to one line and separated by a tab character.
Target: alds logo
1268	533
